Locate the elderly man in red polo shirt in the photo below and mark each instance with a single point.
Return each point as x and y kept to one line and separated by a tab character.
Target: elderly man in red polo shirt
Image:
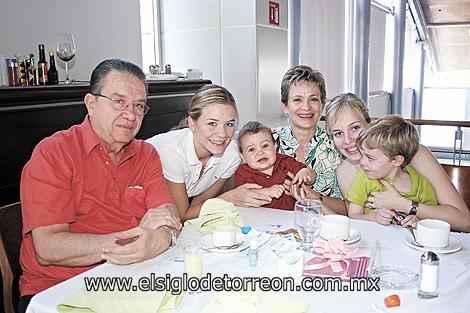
93	193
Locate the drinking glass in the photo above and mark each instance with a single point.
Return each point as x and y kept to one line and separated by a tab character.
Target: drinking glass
307	214
66	51
193	263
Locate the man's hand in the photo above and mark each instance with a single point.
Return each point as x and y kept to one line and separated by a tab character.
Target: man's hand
164	215
136	245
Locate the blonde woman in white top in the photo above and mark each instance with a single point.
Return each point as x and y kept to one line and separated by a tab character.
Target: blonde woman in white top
199	158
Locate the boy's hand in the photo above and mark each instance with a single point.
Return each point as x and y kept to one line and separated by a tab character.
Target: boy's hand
382	216
410	220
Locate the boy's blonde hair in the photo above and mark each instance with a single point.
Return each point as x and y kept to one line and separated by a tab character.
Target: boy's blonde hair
252	128
393	135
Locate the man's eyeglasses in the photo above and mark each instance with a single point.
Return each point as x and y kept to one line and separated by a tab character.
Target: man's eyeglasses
120	104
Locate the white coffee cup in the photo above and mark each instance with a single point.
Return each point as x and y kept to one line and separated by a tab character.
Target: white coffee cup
334	225
433	233
224	235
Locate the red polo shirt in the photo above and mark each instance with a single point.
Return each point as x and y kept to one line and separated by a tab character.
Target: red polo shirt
71	179
283	164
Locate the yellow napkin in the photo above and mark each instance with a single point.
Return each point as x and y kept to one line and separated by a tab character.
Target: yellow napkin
119	301
216	212
255	301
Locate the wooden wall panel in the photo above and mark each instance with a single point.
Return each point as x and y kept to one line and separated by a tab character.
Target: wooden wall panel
29	114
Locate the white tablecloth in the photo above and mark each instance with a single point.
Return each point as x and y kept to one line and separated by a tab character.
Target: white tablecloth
454	294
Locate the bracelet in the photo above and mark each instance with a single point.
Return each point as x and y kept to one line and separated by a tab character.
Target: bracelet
414	208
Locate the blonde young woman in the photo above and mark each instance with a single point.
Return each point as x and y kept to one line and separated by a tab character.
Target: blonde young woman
199	158
346	116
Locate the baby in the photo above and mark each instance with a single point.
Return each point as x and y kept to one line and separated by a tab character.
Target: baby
265	167
387	146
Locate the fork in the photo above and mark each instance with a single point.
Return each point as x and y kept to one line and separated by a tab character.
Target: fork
234	246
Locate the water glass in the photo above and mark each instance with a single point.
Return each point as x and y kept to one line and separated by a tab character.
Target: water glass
307	214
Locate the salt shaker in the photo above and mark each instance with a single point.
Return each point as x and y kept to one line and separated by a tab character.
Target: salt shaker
428	286
168	69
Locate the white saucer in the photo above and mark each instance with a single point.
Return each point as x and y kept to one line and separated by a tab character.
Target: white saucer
206	244
454	246
354	236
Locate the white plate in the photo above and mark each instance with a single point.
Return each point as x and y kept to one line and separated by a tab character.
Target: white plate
454	246
354	236
206	244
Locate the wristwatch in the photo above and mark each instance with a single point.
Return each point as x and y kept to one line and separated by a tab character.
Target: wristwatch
414	208
172	232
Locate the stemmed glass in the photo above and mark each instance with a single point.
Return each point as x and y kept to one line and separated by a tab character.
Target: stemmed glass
66	51
307	214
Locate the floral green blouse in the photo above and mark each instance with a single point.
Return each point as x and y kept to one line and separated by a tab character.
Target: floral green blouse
322	157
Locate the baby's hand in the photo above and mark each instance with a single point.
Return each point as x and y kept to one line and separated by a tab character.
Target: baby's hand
302	177
276	191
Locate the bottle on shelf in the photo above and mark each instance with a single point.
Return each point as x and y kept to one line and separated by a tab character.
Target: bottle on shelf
52	74
42	66
23	71
13	74
33	73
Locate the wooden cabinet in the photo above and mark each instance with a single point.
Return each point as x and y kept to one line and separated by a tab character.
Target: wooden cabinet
29	114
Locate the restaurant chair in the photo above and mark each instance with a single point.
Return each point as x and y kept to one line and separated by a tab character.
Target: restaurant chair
10	231
460	177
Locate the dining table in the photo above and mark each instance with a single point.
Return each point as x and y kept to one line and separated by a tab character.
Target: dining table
391	249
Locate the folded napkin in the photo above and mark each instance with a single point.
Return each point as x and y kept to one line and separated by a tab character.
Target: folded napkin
255	301
216	212
333	259
119	301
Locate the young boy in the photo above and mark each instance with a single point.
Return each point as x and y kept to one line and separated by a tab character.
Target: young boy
265	167
387	147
